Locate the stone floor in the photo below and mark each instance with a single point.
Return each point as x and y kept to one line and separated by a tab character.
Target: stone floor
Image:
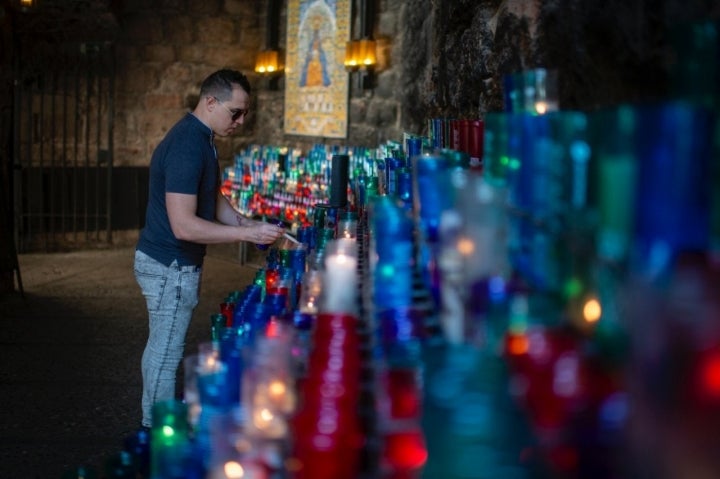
70	353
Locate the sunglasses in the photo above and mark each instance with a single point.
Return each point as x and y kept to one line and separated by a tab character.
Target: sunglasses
235	115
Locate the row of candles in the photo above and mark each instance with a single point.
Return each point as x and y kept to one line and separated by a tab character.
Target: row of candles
276	391
279	182
498	318
456	323
345	309
519	359
569	259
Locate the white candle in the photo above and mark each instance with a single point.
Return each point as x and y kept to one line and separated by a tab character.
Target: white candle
310	292
340	281
347	229
237	469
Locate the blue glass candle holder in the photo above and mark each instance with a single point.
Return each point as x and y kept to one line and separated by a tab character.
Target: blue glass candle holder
674	148
430	193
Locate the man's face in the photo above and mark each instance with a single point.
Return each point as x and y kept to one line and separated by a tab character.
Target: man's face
229	114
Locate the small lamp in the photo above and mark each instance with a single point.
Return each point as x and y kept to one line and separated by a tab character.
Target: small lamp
351	55
360	56
367	57
268	62
260	62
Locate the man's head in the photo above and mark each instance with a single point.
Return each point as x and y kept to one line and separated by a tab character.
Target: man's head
221	83
224	101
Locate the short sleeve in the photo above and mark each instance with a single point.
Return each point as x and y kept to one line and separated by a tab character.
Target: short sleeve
184	166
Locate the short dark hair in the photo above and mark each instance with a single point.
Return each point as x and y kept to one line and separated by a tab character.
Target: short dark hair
220	84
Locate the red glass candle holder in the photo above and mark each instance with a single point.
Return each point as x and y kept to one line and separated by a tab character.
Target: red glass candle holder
404	454
403	393
227	309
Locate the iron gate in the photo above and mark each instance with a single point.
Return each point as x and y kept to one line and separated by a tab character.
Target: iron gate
63	146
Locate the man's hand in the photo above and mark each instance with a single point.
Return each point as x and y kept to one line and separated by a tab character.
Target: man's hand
262	232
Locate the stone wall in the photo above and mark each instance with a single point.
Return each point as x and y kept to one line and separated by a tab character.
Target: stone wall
165	49
437	58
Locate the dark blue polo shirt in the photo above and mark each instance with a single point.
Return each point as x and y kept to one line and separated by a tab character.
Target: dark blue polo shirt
184	162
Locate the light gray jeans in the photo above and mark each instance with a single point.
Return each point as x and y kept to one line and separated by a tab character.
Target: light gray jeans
171	293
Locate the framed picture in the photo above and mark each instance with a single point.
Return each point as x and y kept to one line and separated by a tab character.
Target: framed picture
316	83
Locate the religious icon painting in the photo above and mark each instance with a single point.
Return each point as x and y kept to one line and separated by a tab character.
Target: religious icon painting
316	83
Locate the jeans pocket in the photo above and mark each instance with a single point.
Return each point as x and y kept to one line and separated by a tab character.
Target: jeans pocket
152	277
190	288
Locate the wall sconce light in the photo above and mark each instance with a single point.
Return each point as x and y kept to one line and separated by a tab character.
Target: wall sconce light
360	55
268	62
26	5
368	57
351	55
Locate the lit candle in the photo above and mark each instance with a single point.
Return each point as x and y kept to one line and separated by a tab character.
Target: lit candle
310	292
347	228
340	282
237	469
268	423
541	107
170	438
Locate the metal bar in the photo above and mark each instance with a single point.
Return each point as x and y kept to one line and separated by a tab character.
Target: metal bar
98	157
110	132
64	182
76	150
53	170
16	182
87	144
42	214
28	157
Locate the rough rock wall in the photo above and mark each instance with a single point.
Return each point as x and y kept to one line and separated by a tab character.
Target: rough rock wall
455	53
436	58
165	50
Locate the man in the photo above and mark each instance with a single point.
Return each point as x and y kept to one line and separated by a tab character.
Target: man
186	212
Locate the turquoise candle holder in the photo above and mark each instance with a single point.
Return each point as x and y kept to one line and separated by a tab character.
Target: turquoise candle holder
170	444
615	179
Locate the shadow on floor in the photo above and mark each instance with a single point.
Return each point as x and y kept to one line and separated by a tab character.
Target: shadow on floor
70	356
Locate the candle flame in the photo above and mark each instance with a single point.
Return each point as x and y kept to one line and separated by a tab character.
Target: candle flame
518	344
592	310
234	470
465	246
277	388
266	414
